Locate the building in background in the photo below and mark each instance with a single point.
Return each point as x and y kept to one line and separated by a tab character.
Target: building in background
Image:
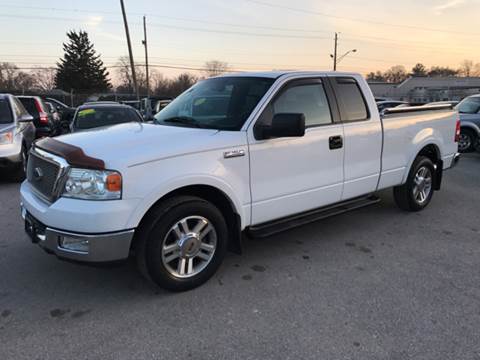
421	90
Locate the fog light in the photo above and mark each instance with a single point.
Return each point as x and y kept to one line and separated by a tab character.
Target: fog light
74	244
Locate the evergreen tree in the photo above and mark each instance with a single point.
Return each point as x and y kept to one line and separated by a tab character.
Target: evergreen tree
419	70
81	68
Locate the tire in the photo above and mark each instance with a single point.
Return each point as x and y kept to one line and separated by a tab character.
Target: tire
467	142
20	170
178	257
417	192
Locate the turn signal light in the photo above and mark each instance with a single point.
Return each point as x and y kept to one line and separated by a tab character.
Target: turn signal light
114	182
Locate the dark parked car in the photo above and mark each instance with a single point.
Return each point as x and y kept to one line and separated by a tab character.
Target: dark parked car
42	118
95	115
66	112
469	110
53	110
17	133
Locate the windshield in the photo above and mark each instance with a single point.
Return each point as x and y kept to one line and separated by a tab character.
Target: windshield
220	103
5	113
470	105
88	118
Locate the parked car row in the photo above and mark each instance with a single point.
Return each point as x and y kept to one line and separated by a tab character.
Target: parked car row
26	118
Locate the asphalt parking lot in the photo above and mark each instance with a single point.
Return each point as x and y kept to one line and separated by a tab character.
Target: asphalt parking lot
377	283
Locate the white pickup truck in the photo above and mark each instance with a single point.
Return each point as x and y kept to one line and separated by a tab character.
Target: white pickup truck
251	152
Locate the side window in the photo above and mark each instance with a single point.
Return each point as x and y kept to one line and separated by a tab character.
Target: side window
351	101
307	99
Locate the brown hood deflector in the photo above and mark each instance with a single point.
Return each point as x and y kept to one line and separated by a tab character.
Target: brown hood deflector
72	154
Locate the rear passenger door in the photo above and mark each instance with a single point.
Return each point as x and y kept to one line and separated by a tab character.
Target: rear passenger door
293	175
363	136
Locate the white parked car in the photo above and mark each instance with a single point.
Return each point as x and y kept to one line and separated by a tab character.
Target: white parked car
259	152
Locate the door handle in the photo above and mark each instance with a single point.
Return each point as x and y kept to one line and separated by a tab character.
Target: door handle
335	142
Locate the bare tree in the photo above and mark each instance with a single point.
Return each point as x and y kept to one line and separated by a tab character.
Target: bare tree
466	68
44	79
396	74
11	78
476	70
124	74
7	75
215	68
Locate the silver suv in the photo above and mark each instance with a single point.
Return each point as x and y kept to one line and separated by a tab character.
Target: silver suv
469	110
17	133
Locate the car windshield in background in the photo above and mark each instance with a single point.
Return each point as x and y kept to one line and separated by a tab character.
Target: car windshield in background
469	106
89	118
221	103
5	113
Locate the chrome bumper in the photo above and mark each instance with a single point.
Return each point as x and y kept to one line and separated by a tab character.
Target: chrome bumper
95	248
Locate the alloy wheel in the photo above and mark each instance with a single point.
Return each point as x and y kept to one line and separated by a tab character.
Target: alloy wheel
189	246
422	185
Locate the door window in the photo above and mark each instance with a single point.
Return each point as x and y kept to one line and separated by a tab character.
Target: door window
307	99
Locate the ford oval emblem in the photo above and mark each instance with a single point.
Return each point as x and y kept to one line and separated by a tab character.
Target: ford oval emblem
37	174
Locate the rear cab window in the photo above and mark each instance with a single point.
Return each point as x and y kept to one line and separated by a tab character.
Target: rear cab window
350	98
5	112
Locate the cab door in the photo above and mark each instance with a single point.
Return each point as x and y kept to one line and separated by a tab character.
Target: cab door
363	136
294	175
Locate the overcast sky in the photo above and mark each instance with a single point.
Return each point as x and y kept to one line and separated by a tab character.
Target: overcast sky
250	34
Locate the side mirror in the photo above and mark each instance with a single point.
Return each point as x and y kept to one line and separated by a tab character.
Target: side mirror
25	118
285	125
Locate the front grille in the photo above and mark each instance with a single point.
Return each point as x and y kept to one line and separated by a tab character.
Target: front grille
42	175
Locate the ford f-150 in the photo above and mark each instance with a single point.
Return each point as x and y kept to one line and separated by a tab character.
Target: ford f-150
253	153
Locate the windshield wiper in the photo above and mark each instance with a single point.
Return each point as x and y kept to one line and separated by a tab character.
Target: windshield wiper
185	120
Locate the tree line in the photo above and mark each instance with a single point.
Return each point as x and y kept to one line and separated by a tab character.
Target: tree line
81	70
399	73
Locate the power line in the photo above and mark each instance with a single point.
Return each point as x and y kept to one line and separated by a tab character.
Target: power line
366	21
370	39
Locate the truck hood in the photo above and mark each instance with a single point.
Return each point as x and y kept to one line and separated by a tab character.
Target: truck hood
130	144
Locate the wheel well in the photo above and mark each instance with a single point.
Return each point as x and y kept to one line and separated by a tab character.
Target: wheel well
471	130
433	153
221	201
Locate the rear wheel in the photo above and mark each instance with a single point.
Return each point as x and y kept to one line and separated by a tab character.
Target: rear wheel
417	192
182	243
467	141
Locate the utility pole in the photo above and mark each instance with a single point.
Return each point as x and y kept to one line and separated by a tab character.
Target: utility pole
132	64
144	42
335	53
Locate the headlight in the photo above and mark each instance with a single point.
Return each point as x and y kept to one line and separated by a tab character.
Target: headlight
93	185
6	138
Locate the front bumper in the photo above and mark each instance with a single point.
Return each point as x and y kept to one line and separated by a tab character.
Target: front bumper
10	155
97	248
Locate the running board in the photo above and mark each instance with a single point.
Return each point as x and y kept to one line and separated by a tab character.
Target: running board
294	221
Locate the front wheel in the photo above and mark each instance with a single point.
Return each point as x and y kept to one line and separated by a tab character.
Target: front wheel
20	170
182	243
417	192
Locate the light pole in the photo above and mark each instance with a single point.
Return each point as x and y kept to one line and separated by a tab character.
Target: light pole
129	44
337	59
